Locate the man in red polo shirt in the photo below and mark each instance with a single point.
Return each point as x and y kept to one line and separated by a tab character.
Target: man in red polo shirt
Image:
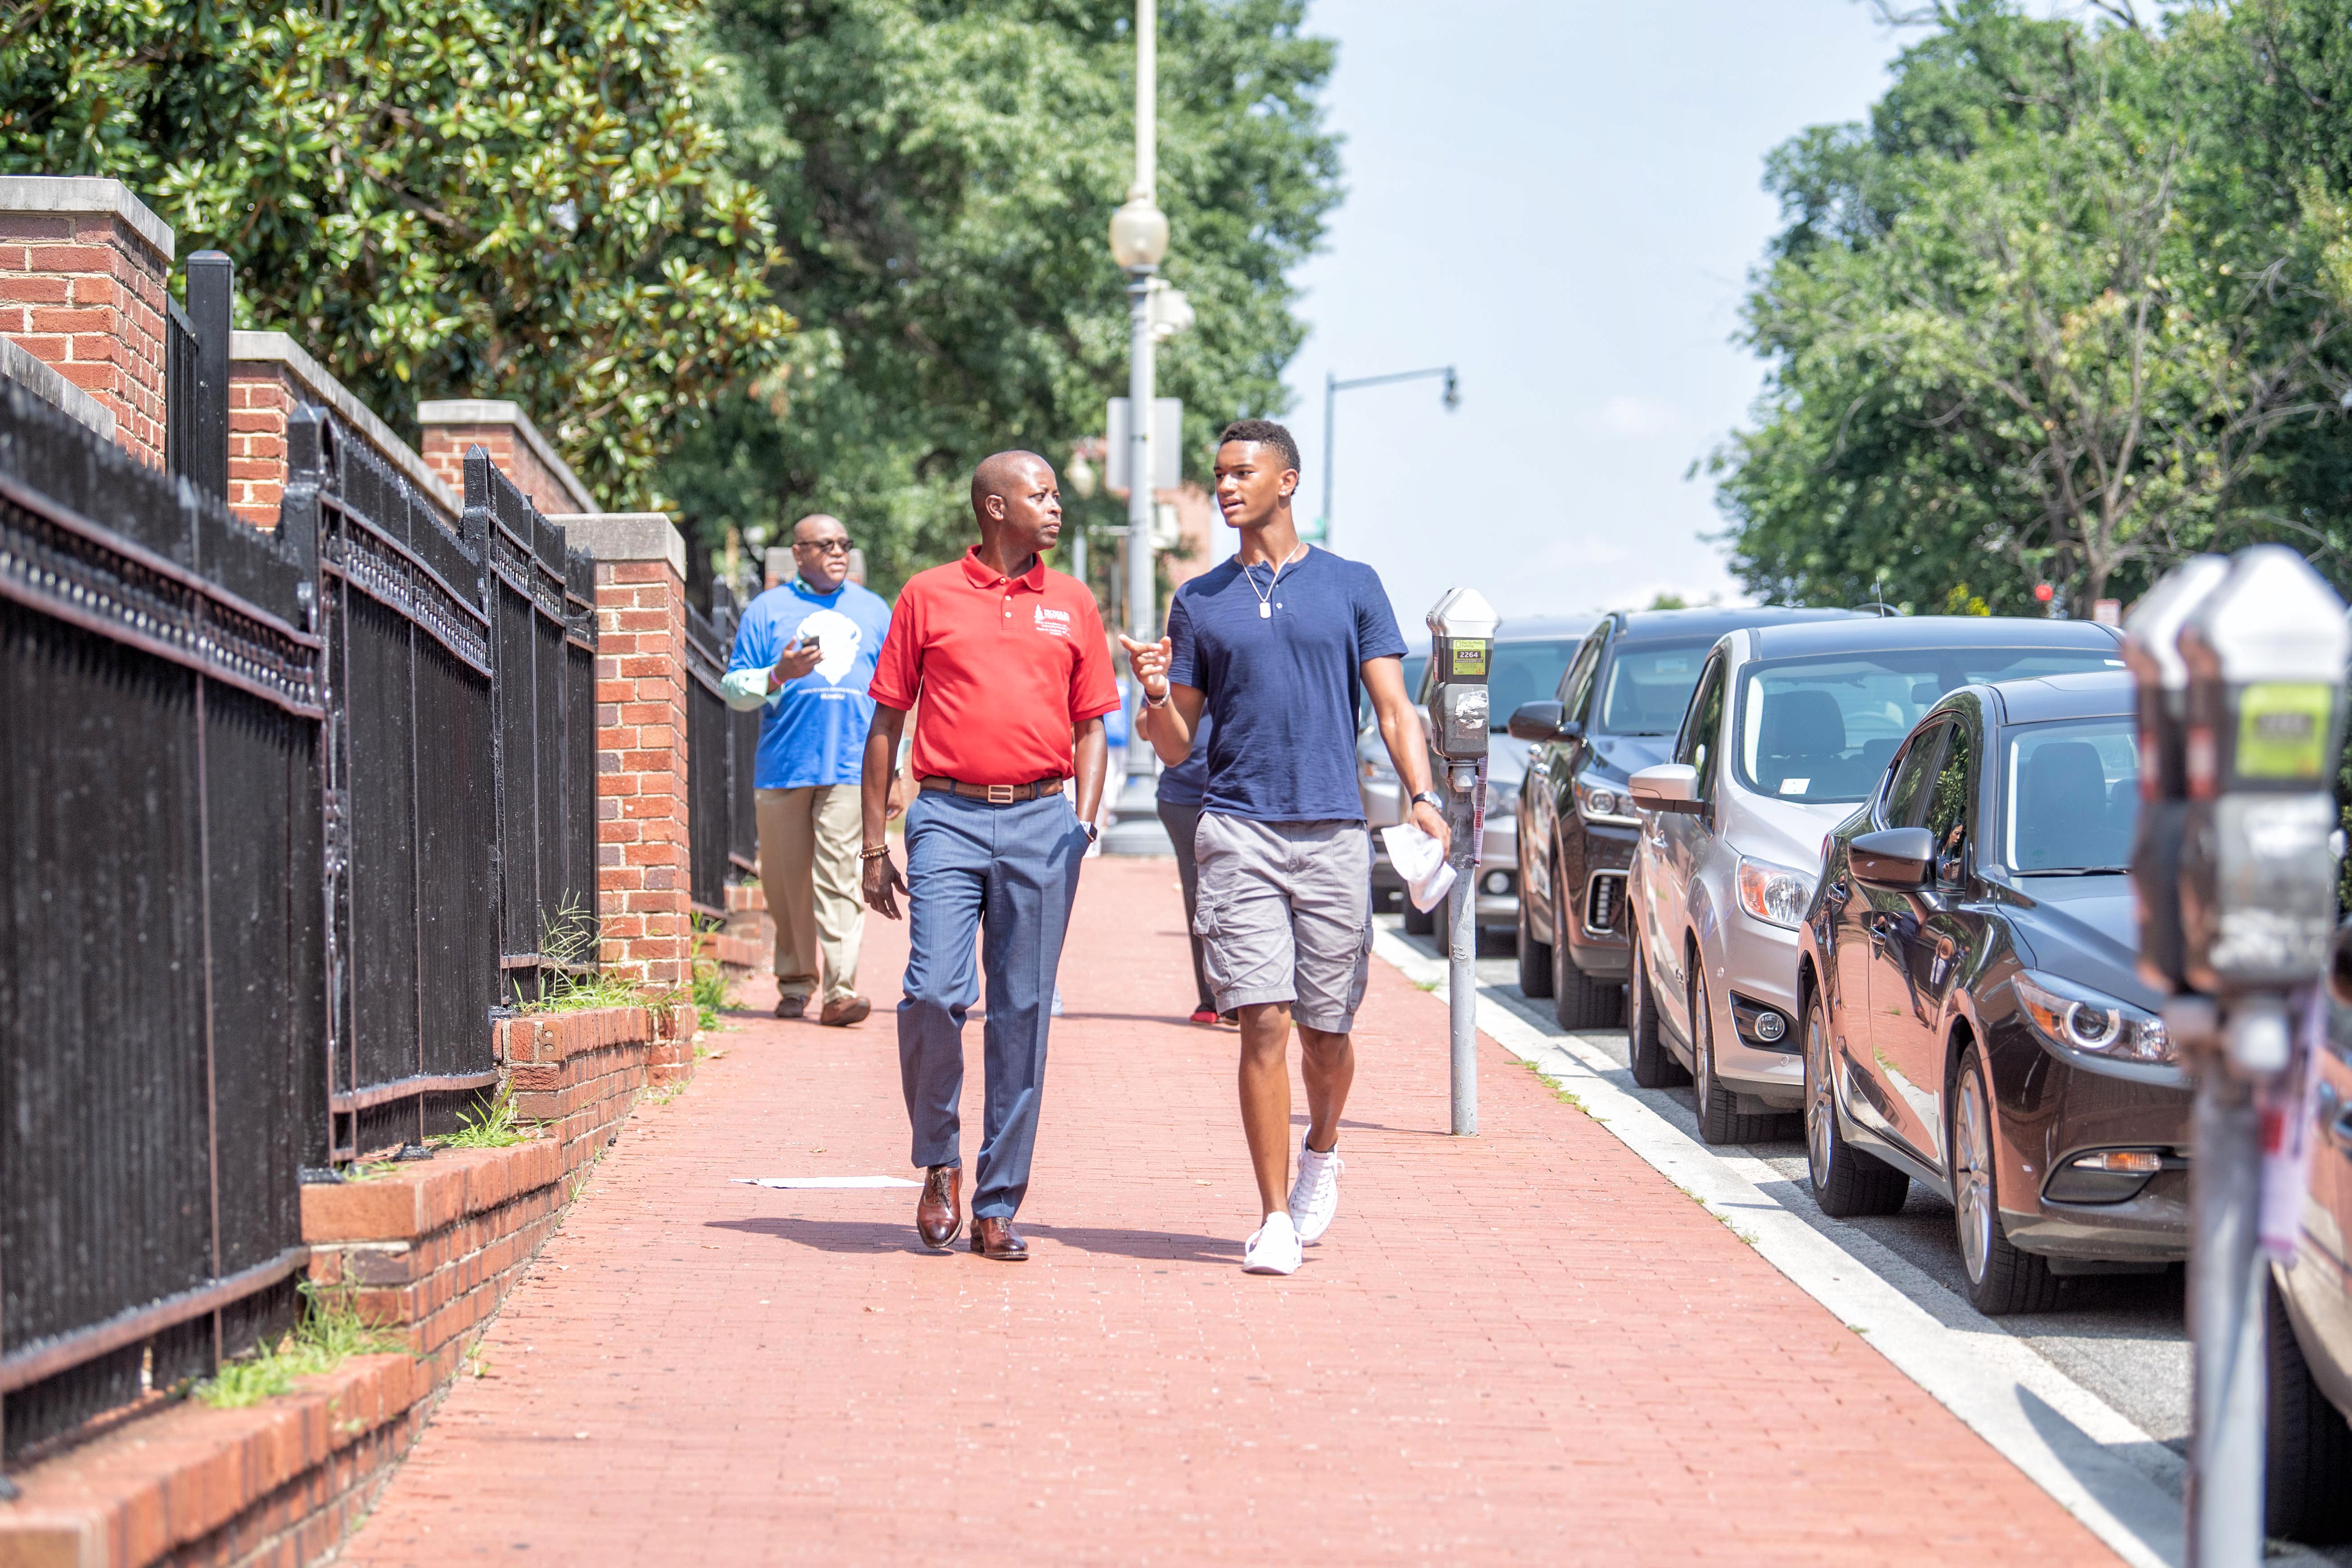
1014	675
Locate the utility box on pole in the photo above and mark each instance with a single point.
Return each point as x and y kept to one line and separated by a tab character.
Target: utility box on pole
1462	647
2240	671
1166	443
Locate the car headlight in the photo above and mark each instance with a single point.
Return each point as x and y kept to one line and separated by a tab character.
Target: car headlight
2092	1022
1600	800
1776	895
1501	800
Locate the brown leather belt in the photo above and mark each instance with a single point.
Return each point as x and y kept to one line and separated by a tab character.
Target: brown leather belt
995	794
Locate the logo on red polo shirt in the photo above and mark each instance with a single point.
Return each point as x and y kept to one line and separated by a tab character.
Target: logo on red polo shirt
1055	623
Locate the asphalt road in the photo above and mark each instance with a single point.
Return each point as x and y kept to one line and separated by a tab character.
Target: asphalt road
2123	1337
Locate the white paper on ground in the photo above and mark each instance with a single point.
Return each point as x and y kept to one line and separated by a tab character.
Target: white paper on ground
826	1182
1421	861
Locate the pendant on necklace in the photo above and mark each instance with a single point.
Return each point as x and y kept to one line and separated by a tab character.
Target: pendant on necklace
1264	611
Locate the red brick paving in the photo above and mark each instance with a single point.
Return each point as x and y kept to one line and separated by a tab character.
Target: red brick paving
1524	1346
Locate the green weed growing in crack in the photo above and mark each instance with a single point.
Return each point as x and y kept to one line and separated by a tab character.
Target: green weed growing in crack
330	1331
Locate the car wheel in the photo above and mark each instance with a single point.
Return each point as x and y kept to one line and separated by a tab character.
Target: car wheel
1720	1119
2002	1279
1420	922
1654	1066
1847	1183
1535	957
2307	1470
1581	1001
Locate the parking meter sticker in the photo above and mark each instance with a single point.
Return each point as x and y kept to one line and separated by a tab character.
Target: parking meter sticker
2283	731
1470	658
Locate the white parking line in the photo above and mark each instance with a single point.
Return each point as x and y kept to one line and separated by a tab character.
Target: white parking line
2100	1466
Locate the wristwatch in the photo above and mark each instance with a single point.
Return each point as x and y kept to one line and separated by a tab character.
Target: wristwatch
1432	799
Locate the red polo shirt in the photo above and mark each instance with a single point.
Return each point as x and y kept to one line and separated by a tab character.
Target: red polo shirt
1004	668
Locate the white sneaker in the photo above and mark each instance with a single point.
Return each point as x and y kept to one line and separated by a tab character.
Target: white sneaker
1314	1195
1272	1248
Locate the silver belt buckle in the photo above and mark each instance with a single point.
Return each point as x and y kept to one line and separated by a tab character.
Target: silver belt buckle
999	794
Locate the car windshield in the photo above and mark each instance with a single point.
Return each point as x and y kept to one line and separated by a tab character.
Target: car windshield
1822	729
2070	796
1649	687
1524	672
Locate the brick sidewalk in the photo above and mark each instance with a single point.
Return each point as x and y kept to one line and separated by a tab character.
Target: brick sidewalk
1524	1346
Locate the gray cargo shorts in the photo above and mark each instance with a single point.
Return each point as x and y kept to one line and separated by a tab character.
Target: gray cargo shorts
1285	914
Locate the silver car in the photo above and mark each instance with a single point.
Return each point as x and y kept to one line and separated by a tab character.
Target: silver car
1789	727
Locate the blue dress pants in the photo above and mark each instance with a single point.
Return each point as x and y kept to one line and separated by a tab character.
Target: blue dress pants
1008	874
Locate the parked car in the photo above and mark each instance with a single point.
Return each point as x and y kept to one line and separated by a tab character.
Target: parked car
1615	712
1530	654
2307	1341
1790	728
1973	1017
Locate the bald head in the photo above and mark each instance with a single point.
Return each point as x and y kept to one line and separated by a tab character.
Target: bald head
821	551
1005	475
1016	503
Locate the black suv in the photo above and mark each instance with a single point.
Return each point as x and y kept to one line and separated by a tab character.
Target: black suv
1616	712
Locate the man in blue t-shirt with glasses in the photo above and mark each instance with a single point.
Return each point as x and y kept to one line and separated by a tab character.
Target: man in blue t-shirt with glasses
1275	645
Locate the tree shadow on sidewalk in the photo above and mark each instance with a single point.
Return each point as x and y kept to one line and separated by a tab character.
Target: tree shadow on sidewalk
895	1236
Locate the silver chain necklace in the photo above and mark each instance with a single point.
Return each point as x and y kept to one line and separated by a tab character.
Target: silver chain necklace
1265	608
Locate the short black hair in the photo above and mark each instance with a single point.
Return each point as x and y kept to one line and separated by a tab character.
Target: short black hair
1267	433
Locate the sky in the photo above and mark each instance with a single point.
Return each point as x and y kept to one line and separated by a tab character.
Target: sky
1562	199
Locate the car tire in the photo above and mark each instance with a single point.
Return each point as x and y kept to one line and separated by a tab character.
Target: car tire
1847	1183
1581	1001
2307	1473
2002	1278
1420	922
1654	1066
1535	957
1720	1119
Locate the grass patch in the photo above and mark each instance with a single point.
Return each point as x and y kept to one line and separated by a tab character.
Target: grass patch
1565	1096
491	1124
566	983
328	1333
1427	984
713	993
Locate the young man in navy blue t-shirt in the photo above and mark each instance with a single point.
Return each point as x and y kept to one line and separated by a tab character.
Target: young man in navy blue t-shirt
1274	647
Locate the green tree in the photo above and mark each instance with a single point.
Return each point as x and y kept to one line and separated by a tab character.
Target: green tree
943	174
2036	323
476	197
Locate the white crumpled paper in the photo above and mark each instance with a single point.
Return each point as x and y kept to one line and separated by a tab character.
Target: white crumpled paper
1421	861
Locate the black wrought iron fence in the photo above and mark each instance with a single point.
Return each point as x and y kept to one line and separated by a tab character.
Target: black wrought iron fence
543	613
709	787
162	950
742	746
195	374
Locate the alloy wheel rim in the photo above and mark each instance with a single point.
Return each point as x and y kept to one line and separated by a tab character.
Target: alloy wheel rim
1818	1109
1972	1184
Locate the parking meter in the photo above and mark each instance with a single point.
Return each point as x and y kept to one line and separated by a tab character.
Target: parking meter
2150	648
1462	647
2266	651
1462	650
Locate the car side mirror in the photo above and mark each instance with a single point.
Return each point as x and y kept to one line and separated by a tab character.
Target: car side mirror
1537	721
1896	860
1668	786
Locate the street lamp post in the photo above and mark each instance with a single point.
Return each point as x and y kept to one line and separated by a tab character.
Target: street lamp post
1139	242
1333	386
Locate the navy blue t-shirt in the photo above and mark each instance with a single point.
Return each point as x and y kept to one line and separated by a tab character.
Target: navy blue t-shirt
1282	689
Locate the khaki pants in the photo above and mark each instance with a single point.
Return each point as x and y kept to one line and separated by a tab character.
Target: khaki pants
808	867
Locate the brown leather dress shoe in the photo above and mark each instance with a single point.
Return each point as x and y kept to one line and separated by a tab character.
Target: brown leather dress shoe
994	1238
845	1012
938	1213
791	1007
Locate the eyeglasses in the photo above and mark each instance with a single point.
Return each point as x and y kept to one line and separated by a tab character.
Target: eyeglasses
823	546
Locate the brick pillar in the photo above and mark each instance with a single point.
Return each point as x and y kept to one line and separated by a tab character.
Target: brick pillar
450	429
270	375
83	269
643	885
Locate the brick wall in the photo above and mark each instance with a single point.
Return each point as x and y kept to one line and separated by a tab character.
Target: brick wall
261	400
641	758
82	288
452	428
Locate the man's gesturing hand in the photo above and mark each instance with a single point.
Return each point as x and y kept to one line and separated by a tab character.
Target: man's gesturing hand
797	659
1149	662
882	884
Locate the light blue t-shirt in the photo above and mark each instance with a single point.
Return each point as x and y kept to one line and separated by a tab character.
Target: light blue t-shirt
812	731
